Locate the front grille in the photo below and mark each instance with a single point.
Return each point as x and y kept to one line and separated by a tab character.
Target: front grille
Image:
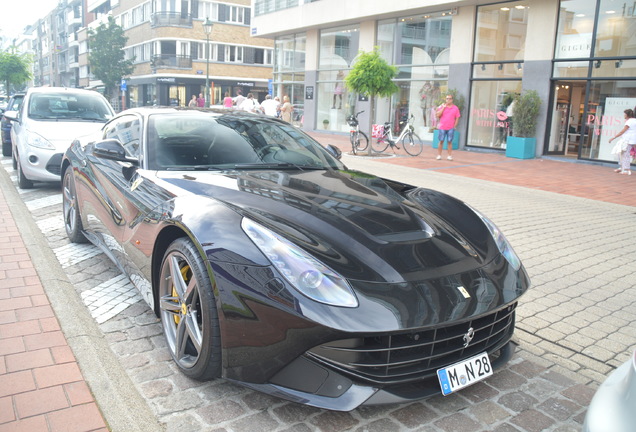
413	355
54	165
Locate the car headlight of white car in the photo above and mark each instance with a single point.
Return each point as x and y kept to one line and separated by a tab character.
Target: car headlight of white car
36	140
312	278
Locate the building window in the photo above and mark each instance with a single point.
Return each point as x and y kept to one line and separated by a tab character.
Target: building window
234	54
501	32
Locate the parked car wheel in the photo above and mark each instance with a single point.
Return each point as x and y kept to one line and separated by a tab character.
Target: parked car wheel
23	182
188	312
70	209
14	161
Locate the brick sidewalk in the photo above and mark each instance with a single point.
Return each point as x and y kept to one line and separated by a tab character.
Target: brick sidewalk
42	386
570	177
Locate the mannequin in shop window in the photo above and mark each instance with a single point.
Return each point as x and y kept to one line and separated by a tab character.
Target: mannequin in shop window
338	90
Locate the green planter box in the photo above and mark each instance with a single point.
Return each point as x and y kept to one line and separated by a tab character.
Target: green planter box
436	140
521	148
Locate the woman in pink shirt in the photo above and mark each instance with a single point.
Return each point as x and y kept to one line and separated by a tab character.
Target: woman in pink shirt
448	115
228	101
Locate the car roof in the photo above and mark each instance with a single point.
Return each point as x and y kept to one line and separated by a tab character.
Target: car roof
60	90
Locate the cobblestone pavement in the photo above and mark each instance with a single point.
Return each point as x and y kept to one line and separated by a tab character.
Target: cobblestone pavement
574	326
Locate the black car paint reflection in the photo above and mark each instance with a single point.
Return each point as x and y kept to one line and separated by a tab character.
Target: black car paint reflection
419	263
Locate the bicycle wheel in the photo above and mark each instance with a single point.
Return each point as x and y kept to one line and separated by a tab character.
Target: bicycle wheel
362	142
353	138
380	144
412	144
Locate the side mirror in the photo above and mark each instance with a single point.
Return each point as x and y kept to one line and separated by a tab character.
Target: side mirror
112	149
334	151
11	115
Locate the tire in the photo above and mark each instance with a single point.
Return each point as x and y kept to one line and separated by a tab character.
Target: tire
14	161
6	149
188	312
23	182
380	144
362	142
412	144
70	209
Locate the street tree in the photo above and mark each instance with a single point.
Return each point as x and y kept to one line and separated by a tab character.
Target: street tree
106	57
372	76
14	69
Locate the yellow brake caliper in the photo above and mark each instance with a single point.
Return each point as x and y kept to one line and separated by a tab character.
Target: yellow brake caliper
184	308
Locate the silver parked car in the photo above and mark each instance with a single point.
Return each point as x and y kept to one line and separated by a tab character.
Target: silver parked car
613	408
49	119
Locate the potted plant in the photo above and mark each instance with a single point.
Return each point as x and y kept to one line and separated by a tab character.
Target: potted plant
522	143
325	123
459	101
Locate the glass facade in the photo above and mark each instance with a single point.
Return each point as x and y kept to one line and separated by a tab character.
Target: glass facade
497	72
337	52
593	76
289	72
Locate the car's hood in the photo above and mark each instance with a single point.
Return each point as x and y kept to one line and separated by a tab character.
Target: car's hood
362	226
62	132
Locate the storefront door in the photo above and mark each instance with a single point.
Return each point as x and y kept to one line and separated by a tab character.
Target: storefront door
567	112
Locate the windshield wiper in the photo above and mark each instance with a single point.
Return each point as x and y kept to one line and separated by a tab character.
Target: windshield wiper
280	165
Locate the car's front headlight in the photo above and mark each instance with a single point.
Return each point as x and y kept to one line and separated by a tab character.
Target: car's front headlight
36	140
502	243
312	278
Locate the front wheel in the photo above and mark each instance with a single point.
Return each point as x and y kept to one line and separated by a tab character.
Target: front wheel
188	311
23	182
412	144
70	208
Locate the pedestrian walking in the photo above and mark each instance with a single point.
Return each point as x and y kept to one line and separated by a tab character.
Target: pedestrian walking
238	100
270	106
228	101
448	115
201	101
627	141
193	102
251	105
286	110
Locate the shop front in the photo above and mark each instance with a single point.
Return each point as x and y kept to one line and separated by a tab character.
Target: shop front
177	91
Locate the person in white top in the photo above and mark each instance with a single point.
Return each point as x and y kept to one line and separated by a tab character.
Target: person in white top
270	106
251	105
629	135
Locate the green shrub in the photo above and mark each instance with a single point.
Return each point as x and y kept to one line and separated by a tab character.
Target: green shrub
526	112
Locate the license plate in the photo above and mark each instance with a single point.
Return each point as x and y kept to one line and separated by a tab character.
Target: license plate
463	374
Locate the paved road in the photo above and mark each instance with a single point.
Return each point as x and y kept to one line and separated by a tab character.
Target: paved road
573	326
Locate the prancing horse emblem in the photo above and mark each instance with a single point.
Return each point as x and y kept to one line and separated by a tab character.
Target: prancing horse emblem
468	337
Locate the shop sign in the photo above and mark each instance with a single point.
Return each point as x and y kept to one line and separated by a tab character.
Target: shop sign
574	46
245	84
167	80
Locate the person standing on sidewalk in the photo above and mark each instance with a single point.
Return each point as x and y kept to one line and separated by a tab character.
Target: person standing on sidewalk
629	136
448	115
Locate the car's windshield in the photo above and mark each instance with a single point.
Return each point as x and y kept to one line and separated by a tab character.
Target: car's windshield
195	140
68	107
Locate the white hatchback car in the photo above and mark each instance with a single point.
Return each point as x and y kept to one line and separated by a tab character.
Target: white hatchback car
48	121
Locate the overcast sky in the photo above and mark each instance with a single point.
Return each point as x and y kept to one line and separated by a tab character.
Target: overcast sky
17	14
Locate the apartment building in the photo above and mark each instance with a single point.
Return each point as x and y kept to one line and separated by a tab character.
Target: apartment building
167	43
577	54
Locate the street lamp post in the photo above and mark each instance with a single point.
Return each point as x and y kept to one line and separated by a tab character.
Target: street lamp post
207	28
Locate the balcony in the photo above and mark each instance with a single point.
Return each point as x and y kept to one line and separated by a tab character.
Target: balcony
165	61
171	19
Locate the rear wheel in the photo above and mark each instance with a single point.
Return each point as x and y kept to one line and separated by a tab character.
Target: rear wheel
23	182
412	144
6	149
380	144
188	311
363	142
70	209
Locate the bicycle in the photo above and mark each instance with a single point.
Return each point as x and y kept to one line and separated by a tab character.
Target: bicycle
359	140
408	138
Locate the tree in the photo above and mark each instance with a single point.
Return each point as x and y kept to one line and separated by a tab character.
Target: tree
14	69
372	76
106	57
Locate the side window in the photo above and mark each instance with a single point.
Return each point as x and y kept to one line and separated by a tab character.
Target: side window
127	130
